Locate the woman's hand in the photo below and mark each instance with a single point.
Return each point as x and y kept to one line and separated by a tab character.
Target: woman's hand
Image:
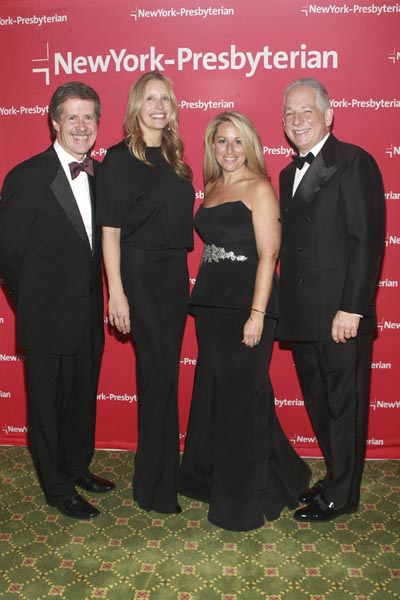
118	312
253	329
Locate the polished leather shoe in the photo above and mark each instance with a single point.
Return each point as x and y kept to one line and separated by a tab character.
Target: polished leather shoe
94	484
73	506
309	495
316	512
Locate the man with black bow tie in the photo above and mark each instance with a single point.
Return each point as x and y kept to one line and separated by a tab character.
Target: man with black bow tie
50	256
333	230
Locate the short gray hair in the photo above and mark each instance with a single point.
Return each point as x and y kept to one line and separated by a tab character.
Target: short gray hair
322	97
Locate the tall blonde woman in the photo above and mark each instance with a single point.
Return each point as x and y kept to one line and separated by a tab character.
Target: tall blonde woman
145	206
237	457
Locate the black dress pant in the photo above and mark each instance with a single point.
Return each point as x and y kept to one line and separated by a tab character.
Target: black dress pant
335	381
157	287
62	393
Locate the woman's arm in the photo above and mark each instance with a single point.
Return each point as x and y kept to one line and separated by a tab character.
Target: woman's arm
267	230
118	307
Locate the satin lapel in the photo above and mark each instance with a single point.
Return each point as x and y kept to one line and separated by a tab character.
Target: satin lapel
286	182
285	191
92	188
63	192
321	169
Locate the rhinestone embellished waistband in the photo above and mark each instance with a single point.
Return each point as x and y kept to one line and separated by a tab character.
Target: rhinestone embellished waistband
213	253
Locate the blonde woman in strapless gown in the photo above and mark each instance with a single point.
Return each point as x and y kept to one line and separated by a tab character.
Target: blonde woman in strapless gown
237	457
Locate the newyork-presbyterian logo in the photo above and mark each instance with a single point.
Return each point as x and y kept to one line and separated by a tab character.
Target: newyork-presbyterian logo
204	105
392	240
111	397
381	365
298	439
186	361
10	429
388	283
24	111
391	195
202	12
313	8
36	20
392	151
384	325
233	58
365	103
394	56
278	151
301	440
98	153
283	402
376	404
12	357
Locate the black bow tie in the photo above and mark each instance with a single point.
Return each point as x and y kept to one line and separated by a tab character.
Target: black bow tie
86	165
300	160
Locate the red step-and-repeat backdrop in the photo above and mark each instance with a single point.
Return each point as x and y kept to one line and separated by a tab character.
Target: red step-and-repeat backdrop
236	55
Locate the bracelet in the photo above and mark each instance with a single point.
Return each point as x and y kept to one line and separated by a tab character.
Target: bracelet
259	311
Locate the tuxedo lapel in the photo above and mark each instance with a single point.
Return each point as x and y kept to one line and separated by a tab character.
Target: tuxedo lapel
319	172
92	188
286	182
63	192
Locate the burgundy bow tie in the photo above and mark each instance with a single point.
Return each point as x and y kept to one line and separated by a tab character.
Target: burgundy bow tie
300	160
86	165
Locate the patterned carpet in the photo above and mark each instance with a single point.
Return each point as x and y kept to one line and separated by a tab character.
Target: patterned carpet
128	554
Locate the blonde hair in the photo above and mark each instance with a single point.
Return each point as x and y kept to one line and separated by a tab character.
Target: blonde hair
250	141
171	143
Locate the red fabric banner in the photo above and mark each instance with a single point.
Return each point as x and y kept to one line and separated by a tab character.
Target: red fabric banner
220	56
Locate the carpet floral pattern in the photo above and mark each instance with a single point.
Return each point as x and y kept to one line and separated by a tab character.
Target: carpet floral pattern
129	554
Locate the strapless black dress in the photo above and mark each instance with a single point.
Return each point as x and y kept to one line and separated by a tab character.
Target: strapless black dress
237	457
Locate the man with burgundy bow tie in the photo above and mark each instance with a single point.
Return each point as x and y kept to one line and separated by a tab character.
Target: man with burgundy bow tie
50	256
333	230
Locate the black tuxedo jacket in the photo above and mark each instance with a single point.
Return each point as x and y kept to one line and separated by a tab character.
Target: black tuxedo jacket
333	232
45	255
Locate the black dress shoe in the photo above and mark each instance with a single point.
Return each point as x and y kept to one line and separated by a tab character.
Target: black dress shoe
315	512
74	506
97	485
309	495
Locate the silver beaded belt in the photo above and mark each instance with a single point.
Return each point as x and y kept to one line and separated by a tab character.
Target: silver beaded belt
213	253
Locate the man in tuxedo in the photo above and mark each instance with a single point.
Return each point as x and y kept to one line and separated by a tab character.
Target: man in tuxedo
333	230
50	256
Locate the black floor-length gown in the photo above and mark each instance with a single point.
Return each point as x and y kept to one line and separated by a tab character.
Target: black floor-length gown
237	457
154	209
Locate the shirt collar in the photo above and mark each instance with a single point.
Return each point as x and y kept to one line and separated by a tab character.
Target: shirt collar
64	156
318	146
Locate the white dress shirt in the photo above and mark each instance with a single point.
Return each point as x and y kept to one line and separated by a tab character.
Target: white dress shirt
301	172
80	188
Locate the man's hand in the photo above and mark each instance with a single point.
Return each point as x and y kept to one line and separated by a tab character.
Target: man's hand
344	326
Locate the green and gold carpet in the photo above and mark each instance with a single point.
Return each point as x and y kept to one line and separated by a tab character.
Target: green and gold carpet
128	554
